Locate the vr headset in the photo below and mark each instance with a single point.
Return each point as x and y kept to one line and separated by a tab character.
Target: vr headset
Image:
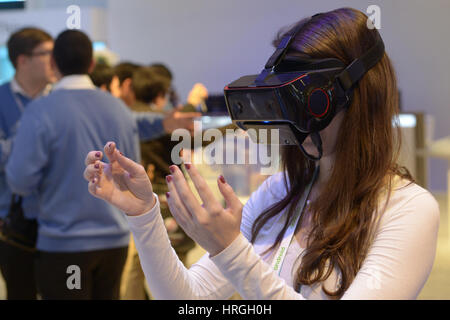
296	94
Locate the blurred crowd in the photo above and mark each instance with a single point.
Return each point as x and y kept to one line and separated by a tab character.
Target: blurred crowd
61	103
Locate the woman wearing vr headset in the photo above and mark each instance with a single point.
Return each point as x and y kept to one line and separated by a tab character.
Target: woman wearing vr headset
366	230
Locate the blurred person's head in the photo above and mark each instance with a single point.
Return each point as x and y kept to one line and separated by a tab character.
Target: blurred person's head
164	71
150	87
30	51
72	54
103	77
124	71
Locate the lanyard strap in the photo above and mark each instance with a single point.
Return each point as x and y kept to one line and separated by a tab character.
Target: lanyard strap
278	260
18	101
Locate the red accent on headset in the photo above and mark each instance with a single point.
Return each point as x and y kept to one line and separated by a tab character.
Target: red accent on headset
328	103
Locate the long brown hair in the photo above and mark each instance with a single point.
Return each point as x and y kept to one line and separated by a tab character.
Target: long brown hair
343	216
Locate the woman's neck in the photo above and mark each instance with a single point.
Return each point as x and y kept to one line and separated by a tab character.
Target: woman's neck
326	167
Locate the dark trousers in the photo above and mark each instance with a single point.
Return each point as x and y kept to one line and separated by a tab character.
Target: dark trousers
17	267
80	275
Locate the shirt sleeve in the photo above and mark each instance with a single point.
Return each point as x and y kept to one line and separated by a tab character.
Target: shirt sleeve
402	255
169	279
29	154
396	267
166	275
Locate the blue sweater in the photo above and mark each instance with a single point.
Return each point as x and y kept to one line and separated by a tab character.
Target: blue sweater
149	126
55	134
10	114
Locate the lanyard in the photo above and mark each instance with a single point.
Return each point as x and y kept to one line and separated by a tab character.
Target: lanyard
18	101
278	260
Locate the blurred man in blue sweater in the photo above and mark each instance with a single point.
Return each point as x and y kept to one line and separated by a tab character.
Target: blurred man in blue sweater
29	51
77	233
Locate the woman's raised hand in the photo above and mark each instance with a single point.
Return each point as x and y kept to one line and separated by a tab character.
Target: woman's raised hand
121	182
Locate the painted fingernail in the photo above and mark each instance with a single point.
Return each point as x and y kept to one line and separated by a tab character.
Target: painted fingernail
96	166
94	180
187	165
169	178
98	154
172	168
222	179
167	195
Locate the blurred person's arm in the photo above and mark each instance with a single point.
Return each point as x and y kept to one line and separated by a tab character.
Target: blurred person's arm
29	154
152	125
180	120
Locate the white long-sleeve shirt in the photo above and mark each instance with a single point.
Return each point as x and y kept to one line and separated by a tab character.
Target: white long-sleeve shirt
397	265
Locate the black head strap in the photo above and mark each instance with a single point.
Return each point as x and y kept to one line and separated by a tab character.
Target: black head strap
347	78
317	140
282	47
279	53
356	70
303	62
284	44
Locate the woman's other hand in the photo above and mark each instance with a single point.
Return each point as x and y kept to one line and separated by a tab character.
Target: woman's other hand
121	182
210	225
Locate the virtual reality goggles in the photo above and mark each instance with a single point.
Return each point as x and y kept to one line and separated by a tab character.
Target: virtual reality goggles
296	94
